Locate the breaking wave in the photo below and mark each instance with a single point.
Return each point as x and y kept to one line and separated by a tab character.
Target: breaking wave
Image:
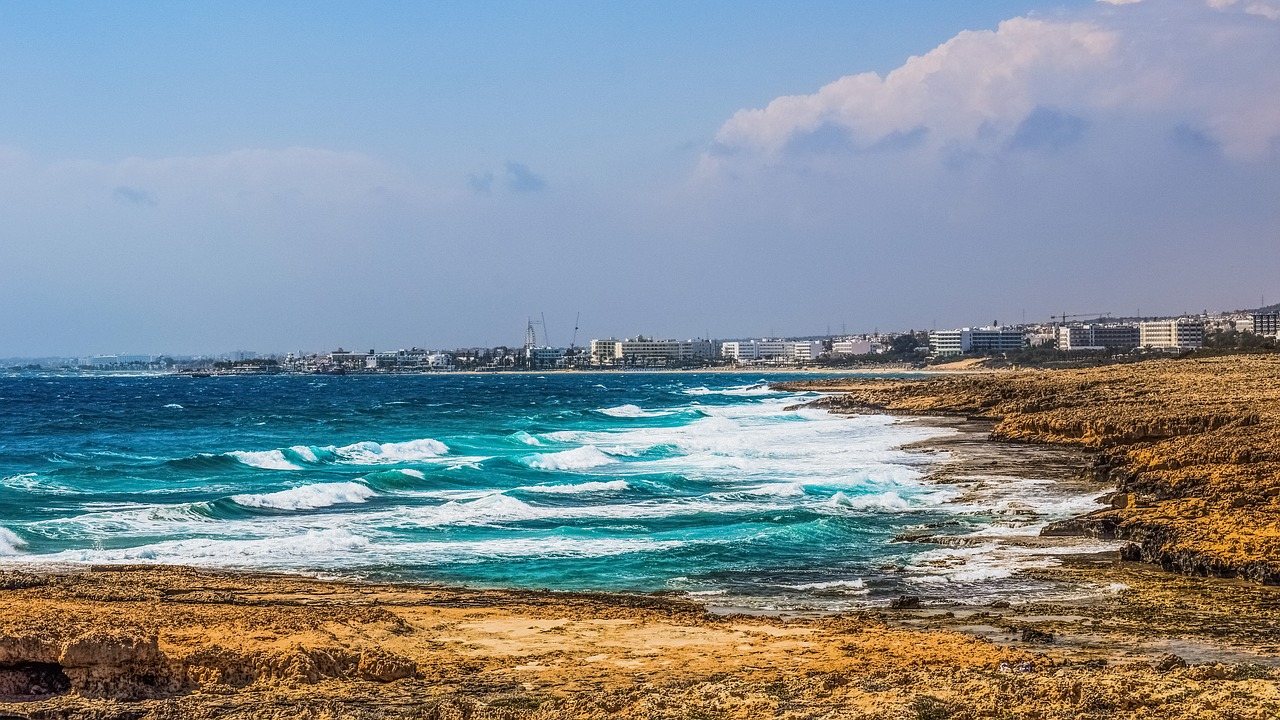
308	497
264	459
633	411
10	543
579	488
581	458
372	453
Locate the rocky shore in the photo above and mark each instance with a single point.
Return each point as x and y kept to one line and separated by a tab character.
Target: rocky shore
1190	445
1193	447
135	643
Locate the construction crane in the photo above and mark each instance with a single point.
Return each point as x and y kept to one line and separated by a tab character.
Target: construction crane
574	342
1062	319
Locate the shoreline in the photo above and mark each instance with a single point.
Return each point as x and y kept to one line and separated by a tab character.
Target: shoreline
164	642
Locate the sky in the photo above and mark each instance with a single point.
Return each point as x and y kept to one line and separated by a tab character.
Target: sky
207	176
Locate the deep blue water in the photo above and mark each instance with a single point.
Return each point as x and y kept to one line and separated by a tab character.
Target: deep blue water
702	483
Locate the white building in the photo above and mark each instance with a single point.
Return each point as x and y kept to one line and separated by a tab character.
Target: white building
1267	323
958	342
104	361
805	350
855	347
775	350
1098	337
1178	334
647	351
542	357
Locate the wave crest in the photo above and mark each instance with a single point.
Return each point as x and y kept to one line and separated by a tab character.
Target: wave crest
264	459
633	411
308	497
10	543
579	488
372	453
581	458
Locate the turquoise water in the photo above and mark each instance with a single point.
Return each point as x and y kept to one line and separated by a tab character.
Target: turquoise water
698	483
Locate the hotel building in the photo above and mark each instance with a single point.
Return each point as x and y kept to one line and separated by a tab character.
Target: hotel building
1178	334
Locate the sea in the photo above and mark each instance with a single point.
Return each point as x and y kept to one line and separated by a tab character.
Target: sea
711	486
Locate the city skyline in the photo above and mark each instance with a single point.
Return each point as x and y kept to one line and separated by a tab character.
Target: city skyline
191	179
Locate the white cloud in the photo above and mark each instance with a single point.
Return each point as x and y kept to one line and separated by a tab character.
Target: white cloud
955	91
1176	63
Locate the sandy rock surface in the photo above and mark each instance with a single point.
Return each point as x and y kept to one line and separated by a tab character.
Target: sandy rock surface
180	643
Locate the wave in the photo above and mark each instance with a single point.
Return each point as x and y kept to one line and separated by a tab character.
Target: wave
344	548
372	453
633	411
760	388
846	587
777	490
34	483
586	487
264	459
361	453
309	497
524	438
888	500
581	458
924	498
10	543
174	406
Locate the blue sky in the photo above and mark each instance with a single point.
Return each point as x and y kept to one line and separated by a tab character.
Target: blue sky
197	177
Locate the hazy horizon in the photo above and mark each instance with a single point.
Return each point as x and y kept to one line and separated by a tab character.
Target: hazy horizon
191	179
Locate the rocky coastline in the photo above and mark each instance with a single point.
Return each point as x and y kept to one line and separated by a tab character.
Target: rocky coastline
1192	445
1188	445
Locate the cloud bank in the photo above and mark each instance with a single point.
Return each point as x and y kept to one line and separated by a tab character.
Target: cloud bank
1208	68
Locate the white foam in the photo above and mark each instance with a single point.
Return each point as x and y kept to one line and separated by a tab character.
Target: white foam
497	508
412	473
264	459
309	497
633	411
524	438
33	483
849	587
10	543
174	406
343	548
306	452
777	490
754	389
581	458
888	500
579	488
372	453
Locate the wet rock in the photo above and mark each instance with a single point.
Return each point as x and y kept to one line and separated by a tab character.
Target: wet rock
1103	527
905	602
1168	662
1033	635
